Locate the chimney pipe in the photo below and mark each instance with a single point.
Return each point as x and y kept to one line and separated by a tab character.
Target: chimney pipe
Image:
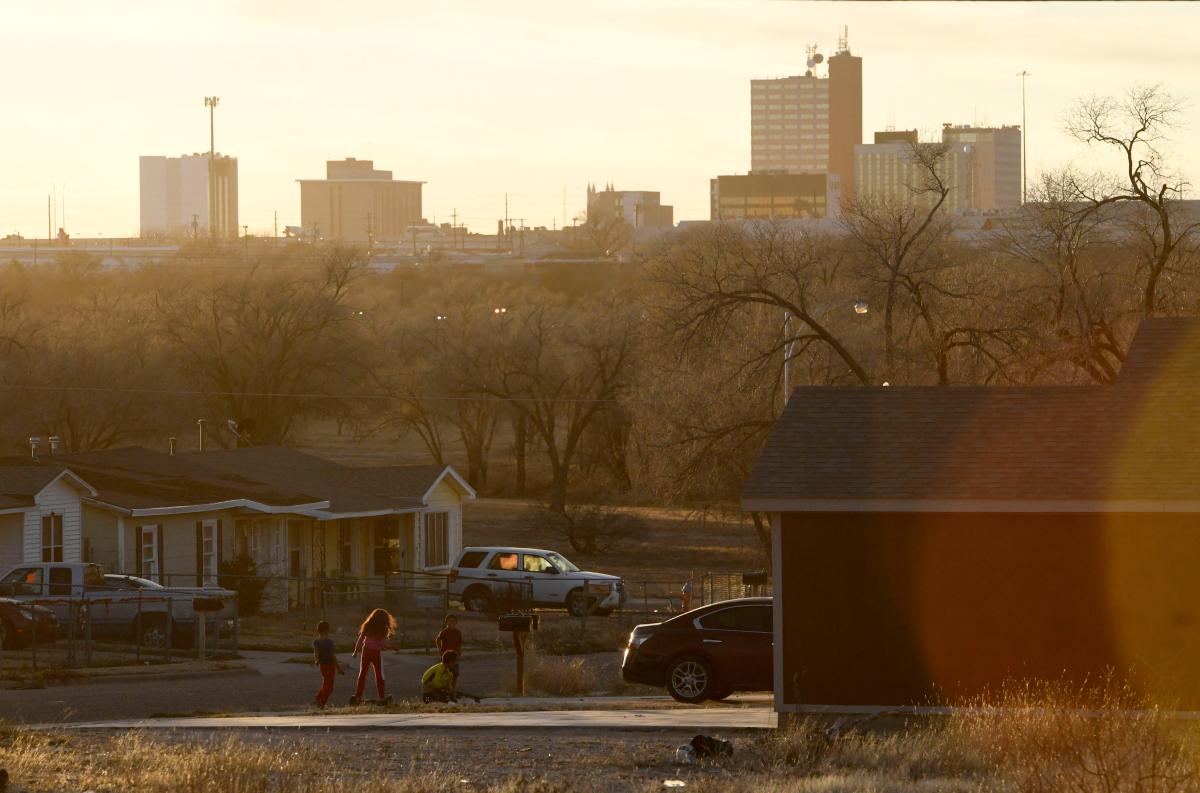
171	444
34	443
55	445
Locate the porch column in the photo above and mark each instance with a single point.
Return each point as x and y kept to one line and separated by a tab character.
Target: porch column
121	545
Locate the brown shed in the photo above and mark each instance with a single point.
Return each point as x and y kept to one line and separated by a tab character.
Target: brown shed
933	543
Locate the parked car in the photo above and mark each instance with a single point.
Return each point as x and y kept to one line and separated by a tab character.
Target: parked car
183	614
705	653
21	622
540	578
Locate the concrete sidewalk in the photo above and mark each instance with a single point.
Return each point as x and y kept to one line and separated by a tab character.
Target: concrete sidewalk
731	718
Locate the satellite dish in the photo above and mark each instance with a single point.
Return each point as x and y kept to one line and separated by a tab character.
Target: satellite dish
812	62
818	57
808	73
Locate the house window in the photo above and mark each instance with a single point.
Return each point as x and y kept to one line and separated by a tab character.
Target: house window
296	550
345	547
386	536
52	538
437	539
148	537
208	552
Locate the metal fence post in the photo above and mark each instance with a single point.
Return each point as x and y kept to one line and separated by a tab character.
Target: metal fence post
72	616
138	629
170	627
87	640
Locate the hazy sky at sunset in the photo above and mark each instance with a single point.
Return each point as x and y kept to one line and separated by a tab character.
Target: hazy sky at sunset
477	98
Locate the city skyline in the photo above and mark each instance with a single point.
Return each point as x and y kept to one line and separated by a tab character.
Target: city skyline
477	103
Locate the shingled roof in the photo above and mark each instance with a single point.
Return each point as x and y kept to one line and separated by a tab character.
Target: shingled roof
1131	445
21	482
350	490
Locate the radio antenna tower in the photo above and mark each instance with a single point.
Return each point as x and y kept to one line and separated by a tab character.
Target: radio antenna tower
211	103
844	40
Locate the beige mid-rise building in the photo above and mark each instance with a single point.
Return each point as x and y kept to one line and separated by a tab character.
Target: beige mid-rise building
356	202
190	196
888	173
996	163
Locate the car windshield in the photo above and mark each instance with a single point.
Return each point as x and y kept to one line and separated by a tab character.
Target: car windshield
561	562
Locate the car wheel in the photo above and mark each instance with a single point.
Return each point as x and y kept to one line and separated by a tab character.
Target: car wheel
578	604
152	632
690	679
477	598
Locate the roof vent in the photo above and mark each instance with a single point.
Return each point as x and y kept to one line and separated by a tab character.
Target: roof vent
55	444
34	443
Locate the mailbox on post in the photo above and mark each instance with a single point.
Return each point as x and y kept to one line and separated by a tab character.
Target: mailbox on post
519	625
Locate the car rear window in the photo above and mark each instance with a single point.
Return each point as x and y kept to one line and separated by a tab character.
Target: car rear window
503	561
739	618
471	558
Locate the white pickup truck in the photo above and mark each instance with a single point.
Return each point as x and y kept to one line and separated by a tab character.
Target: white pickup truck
81	592
481	577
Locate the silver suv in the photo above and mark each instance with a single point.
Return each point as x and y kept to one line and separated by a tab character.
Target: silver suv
481	577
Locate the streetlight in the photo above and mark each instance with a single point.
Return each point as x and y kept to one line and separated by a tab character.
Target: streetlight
211	103
861	307
501	310
441	317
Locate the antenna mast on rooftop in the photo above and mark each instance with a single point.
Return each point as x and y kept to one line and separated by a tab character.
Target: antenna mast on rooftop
844	40
211	103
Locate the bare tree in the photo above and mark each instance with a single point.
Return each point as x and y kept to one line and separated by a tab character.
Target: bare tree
271	344
1137	128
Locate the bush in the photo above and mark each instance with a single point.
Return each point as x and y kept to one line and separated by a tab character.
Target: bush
588	528
239	574
559	677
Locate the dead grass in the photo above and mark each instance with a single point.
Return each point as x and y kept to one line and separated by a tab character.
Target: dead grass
38	762
556	676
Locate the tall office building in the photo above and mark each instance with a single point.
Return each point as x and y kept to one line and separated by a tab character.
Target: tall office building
809	123
996	163
357	202
190	196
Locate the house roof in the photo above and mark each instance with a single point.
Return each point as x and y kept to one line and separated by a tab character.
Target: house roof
21	482
350	490
1131	445
139	479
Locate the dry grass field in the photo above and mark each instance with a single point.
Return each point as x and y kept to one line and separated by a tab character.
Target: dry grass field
1034	741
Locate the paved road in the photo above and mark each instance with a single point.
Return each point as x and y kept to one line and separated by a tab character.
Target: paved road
716	718
267	684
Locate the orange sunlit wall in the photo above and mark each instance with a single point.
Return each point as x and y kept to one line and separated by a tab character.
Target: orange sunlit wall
917	609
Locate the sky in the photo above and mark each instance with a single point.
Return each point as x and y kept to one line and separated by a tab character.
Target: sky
526	97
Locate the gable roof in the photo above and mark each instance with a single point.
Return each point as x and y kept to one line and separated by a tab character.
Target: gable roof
143	481
21	482
1128	446
350	491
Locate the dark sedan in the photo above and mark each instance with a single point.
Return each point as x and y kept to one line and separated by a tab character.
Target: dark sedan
706	653
19	620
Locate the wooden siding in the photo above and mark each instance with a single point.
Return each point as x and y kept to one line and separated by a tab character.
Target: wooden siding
59	498
920	609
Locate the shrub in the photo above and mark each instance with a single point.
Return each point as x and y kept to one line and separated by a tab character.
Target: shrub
239	574
589	528
558	677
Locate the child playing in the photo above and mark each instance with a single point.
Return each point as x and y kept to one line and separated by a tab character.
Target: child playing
372	641
437	684
326	660
450	638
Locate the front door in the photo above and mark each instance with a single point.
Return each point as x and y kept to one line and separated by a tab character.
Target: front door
548	584
739	640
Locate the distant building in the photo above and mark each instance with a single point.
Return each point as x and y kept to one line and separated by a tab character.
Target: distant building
775	195
996	163
193	196
808	123
639	208
896	136
358	203
887	173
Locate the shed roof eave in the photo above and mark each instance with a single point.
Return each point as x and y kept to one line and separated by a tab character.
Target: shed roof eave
879	505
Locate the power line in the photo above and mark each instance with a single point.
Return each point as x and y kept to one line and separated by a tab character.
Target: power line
295	395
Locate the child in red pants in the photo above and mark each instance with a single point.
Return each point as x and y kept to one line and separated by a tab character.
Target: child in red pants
373	637
326	660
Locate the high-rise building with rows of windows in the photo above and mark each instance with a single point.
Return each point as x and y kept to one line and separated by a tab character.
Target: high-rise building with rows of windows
809	123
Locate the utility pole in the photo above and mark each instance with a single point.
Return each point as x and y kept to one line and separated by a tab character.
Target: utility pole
276	223
370	234
507	227
211	103
1024	137
49	221
454	228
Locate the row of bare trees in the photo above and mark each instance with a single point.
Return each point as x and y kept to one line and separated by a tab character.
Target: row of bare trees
658	379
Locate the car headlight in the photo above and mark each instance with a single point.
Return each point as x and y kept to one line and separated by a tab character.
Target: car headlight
637	639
